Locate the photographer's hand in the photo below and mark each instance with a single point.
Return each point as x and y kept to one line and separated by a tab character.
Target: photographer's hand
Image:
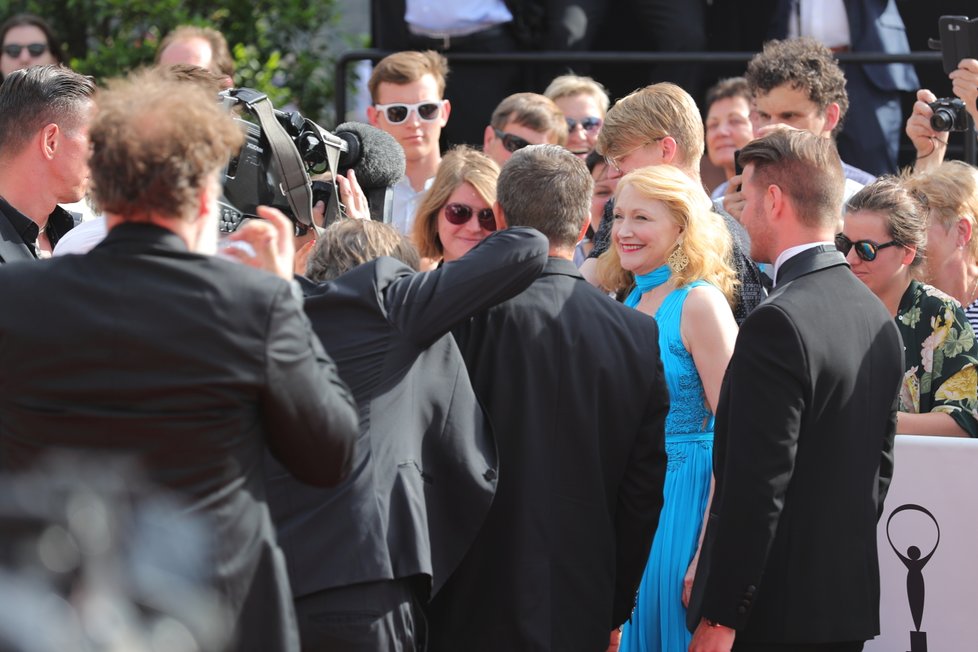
352	196
272	240
964	83
930	145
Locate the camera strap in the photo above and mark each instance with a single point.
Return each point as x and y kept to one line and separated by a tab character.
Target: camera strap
296	185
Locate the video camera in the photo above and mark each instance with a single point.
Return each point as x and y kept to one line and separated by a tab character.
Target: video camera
958	40
282	150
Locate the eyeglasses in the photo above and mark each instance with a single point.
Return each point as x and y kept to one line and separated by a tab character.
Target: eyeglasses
511	142
865	249
398	113
589	124
615	161
459	214
34	49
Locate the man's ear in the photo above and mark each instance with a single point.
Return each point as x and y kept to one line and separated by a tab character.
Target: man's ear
497	210
487	137
775	199
373	115
446	110
50	139
587	222
832	114
669	149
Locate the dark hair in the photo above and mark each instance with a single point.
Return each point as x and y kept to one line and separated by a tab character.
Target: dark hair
807	169
18	20
803	64
156	143
905	212
547	188
348	243
726	88
33	97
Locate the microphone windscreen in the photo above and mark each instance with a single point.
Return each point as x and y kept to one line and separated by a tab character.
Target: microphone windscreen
380	160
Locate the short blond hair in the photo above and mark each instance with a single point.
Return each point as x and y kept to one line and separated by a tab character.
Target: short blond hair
951	190
650	114
407	67
571	85
705	240
533	111
461	165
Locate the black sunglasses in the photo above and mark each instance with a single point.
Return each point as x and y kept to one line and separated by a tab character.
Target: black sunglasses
511	142
34	49
587	124
865	249
397	113
458	214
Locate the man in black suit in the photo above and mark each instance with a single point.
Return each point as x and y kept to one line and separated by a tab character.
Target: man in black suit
365	556
804	427
187	363
44	116
574	388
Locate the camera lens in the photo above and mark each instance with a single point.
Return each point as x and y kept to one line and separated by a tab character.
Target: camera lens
942	120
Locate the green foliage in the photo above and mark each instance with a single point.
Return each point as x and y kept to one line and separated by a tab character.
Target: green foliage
285	48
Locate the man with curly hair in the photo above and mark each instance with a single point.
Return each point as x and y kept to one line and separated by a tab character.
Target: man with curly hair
797	82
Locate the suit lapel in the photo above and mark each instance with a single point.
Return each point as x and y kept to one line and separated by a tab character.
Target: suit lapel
12	246
809	261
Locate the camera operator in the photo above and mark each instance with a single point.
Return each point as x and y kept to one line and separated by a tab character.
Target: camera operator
188	363
930	143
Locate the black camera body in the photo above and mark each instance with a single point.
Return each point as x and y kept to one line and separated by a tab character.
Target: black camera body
950	114
277	175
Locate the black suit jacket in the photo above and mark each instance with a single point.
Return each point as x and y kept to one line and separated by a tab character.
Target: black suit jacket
190	364
573	385
802	458
425	467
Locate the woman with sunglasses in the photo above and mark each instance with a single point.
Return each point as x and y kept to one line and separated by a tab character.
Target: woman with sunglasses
27	41
951	190
673	252
883	239
456	212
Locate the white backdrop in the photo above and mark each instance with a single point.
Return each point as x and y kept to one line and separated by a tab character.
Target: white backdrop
939	474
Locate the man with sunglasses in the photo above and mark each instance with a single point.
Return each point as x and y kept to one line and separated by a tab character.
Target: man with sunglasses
44	117
520	120
407	90
803	453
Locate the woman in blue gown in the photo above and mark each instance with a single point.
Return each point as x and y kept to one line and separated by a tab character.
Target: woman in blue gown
674	251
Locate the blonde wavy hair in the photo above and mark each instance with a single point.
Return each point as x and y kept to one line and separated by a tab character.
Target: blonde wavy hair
461	165
705	239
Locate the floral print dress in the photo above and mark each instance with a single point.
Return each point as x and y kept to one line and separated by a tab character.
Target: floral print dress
940	356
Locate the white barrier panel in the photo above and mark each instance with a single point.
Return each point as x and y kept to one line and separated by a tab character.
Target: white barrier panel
928	539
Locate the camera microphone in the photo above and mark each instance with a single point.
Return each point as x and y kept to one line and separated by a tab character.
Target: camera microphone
373	154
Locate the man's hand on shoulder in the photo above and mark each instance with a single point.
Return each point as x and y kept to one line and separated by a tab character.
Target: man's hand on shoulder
712	638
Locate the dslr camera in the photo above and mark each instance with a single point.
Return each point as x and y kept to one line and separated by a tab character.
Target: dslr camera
949	115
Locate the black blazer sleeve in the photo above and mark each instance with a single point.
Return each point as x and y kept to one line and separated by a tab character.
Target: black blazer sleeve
308	412
768	382
426	306
640	498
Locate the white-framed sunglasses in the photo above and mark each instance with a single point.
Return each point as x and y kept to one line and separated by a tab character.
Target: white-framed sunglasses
397	113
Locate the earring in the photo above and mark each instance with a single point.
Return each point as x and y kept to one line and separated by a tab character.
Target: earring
677	260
